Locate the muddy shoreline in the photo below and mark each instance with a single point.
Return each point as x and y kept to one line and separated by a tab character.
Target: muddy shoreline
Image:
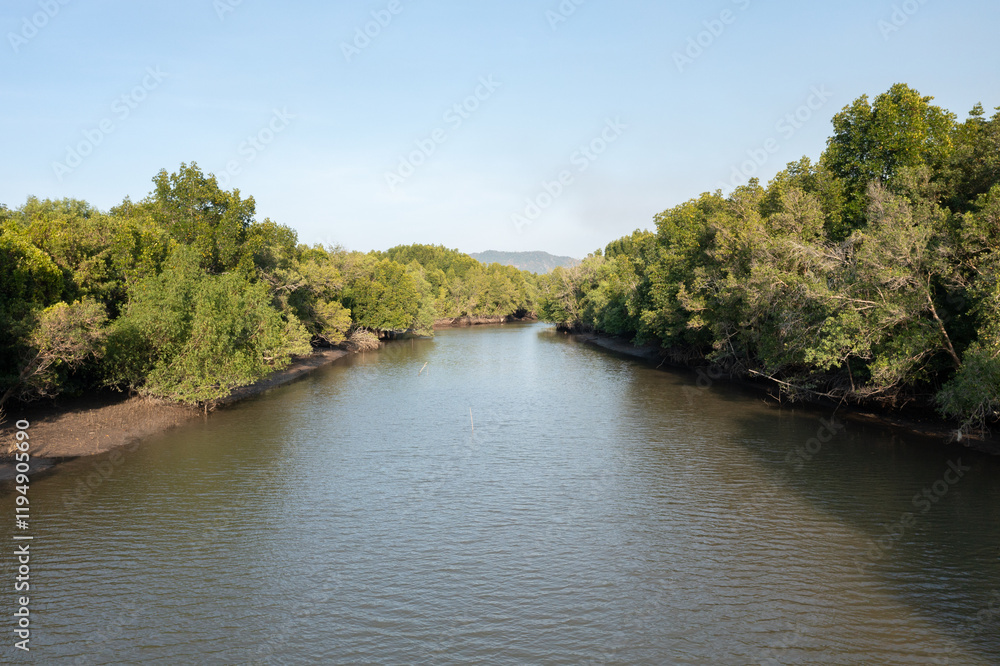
461	322
65	429
68	428
935	429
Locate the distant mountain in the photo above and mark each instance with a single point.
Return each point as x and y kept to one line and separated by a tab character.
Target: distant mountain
535	262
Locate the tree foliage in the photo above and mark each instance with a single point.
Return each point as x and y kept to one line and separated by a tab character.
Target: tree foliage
65	337
871	275
185	295
873	141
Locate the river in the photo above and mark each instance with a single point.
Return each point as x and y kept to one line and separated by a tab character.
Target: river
507	495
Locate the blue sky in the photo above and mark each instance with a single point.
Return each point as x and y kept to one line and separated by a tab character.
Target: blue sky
576	120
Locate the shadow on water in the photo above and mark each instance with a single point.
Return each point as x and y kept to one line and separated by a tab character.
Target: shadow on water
917	519
599	507
928	513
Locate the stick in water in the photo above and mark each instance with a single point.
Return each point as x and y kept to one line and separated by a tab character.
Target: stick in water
422	369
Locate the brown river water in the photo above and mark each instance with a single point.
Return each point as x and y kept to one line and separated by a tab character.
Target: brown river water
521	499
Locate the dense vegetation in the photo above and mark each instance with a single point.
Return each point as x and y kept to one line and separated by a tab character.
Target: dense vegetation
185	295
533	262
870	276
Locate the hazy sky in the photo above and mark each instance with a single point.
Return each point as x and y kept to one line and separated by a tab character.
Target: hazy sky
513	125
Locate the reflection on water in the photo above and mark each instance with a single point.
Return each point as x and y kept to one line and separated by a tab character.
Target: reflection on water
601	512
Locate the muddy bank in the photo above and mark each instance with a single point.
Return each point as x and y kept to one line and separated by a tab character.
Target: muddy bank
298	368
936	429
645	352
87	426
90	425
459	322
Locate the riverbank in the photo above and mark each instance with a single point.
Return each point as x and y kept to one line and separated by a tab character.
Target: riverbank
931	428
460	322
71	428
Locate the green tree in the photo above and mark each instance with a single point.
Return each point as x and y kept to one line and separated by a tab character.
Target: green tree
65	337
974	165
973	395
564	290
30	281
191	336
385	299
197	212
684	234
332	322
889	314
873	141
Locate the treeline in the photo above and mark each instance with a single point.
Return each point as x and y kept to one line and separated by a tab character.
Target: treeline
185	295
869	276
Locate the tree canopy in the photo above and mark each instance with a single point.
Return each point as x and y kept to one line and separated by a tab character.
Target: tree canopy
186	295
868	276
